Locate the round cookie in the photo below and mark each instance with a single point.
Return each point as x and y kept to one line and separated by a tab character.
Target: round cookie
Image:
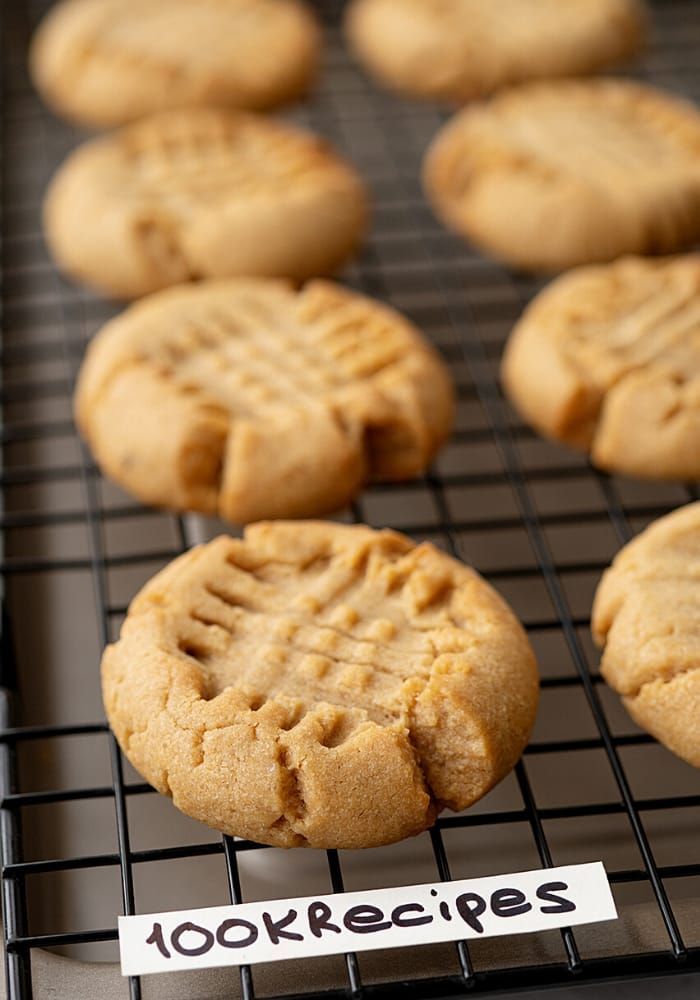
646	615
202	193
322	685
107	62
455	50
250	399
607	359
550	175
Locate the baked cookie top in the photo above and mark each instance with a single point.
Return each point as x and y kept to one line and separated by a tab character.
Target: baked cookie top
202	193
251	399
550	175
608	359
320	684
647	616
456	50
107	62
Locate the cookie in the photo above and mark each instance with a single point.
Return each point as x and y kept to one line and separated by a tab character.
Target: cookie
318	684
202	193
249	399
108	62
547	176
607	359
646	615
455	50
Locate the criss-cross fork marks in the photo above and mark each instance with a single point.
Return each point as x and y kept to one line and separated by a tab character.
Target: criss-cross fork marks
167	28
207	34
598	145
657	329
610	136
359	635
254	354
200	156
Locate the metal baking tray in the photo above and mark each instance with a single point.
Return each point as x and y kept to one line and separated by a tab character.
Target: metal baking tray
83	839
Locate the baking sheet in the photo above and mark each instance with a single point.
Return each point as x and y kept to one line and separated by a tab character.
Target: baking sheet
467	306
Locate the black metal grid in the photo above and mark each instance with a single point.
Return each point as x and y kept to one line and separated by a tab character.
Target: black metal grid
467	305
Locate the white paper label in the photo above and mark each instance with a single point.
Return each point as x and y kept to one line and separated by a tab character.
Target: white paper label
363	921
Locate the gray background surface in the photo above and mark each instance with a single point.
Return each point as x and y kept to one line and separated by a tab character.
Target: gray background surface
459	299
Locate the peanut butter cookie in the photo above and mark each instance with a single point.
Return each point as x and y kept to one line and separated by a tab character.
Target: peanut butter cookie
646	615
202	193
607	359
249	399
455	50
108	62
550	175
320	685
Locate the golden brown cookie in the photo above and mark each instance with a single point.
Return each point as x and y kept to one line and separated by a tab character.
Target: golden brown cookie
550	175
107	62
320	684
607	359
202	193
455	50
646	615
250	399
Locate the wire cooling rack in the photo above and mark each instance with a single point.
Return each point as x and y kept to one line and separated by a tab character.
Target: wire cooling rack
535	519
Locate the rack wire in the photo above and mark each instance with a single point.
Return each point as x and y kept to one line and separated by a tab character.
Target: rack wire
498	497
